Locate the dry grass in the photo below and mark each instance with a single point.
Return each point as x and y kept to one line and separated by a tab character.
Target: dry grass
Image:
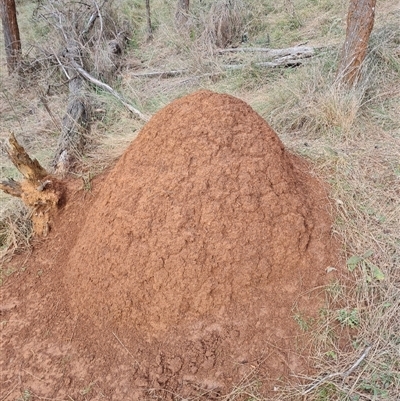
15	231
225	23
351	137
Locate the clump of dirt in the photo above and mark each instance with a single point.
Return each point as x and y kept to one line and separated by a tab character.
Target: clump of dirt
182	271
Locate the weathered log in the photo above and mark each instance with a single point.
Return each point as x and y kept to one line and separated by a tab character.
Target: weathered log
75	124
288	57
160	74
281	62
41	192
296	51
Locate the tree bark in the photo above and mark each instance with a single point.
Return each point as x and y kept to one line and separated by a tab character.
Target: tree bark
360	21
182	13
149	28
75	122
12	39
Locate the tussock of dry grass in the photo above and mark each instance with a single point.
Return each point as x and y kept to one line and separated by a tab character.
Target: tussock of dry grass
225	25
15	230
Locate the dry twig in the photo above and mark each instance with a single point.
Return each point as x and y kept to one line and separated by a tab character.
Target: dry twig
344	374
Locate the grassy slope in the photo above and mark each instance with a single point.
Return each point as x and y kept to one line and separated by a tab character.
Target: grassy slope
351	137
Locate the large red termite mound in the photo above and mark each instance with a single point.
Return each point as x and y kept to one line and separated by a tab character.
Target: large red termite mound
204	238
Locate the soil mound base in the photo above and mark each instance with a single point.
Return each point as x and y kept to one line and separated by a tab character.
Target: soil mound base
203	237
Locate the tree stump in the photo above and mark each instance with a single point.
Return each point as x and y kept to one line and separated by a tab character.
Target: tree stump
40	191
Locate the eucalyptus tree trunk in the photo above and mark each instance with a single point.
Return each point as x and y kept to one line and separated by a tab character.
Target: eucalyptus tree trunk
360	21
12	39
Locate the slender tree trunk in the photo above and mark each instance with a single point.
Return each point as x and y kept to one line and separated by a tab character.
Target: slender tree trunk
149	28
360	21
182	13
12	39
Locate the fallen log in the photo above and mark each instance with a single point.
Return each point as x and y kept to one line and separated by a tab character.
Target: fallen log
283	62
40	191
160	74
298	51
75	123
289	57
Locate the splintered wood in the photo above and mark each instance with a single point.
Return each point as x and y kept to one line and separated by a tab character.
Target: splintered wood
40	191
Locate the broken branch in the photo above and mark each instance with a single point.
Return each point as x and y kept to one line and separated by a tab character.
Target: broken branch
39	191
160	74
304	51
11	187
30	169
266	64
108	88
344	374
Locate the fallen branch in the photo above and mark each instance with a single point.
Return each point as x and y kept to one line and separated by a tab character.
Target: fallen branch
160	74
30	169
108	88
282	62
290	57
11	187
75	123
305	51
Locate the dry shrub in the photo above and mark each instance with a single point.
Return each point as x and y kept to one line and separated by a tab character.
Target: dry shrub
225	23
97	32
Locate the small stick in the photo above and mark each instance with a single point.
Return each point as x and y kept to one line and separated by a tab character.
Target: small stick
46	106
356	363
6	396
344	374
126	349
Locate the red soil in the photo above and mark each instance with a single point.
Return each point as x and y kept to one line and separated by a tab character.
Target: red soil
180	272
